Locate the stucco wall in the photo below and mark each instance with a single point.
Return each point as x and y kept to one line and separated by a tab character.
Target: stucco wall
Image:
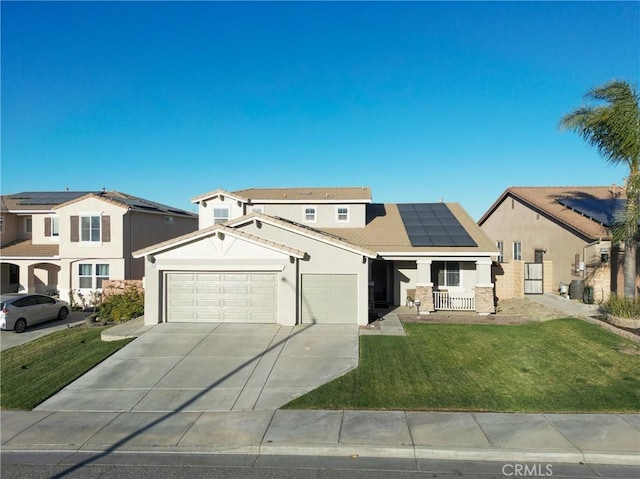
205	211
514	221
325	214
220	254
9	228
322	258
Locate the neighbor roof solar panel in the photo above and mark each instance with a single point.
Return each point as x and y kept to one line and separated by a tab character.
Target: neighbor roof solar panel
48	197
602	210
433	224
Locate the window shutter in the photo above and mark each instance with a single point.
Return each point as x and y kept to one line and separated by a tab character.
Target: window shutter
75	229
106	229
47	226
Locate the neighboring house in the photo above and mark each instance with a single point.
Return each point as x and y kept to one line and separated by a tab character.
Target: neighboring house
553	235
74	240
325	255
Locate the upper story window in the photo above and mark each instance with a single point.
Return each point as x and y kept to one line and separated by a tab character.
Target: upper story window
90	229
257	209
517	250
27	225
168	220
500	246
310	214
342	214
220	215
1	224
52	227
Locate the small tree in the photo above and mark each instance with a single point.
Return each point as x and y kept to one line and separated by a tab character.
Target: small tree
613	127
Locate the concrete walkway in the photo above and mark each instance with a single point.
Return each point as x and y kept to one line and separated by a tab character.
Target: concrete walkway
200	367
539	438
549	438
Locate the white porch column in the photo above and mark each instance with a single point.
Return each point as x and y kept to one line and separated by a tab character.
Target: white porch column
424	286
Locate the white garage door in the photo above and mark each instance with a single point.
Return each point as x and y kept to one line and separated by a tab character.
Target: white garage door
225	297
329	298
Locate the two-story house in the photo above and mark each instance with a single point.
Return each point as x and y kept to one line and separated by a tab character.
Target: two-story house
326	255
71	241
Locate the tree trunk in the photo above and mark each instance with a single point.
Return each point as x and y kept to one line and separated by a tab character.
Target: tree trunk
630	271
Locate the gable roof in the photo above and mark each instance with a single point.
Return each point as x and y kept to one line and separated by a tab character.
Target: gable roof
219	192
544	199
209	231
385	233
316	233
356	194
50	200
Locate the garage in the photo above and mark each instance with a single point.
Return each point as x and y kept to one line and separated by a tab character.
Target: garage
250	297
330	298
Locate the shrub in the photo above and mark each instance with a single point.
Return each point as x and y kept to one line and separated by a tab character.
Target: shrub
622	307
123	307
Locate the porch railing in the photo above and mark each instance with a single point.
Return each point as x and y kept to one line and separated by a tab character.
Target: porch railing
446	301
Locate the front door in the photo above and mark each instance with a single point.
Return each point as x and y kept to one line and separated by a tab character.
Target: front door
380	276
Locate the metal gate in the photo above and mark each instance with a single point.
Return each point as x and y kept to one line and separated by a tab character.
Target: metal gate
533	274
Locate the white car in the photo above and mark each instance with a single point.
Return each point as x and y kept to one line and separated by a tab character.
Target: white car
17	311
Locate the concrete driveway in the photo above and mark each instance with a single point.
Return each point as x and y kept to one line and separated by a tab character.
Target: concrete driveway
213	367
9	339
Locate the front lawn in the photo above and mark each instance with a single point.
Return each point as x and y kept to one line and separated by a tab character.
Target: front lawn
564	365
34	371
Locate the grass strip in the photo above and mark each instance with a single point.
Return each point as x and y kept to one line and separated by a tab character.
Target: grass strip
34	371
563	365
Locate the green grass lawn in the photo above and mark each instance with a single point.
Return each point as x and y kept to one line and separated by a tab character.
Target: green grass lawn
564	365
34	371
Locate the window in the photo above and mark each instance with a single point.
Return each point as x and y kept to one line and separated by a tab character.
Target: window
500	246
85	275
1	224
87	279
102	274
55	228
220	215
342	214
517	250
257	209
168	220
310	214
90	229
27	225
447	273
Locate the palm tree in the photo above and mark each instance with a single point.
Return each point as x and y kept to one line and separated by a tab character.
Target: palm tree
613	127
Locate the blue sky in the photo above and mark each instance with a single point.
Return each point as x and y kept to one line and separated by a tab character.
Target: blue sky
419	100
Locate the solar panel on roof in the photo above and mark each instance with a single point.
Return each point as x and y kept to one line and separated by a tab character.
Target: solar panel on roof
433	224
602	210
48	197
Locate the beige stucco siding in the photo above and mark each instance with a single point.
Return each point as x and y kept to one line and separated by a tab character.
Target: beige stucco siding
205	211
322	258
512	221
9	228
219	254
91	206
326	214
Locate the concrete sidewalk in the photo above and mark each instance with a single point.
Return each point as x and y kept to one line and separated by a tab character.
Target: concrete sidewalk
550	438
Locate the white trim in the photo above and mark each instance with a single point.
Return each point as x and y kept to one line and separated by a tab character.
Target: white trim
304	213
306	201
338	208
301	232
211	231
31	258
30	212
436	254
226	208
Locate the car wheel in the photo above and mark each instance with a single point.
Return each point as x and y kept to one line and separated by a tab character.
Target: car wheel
63	313
20	325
